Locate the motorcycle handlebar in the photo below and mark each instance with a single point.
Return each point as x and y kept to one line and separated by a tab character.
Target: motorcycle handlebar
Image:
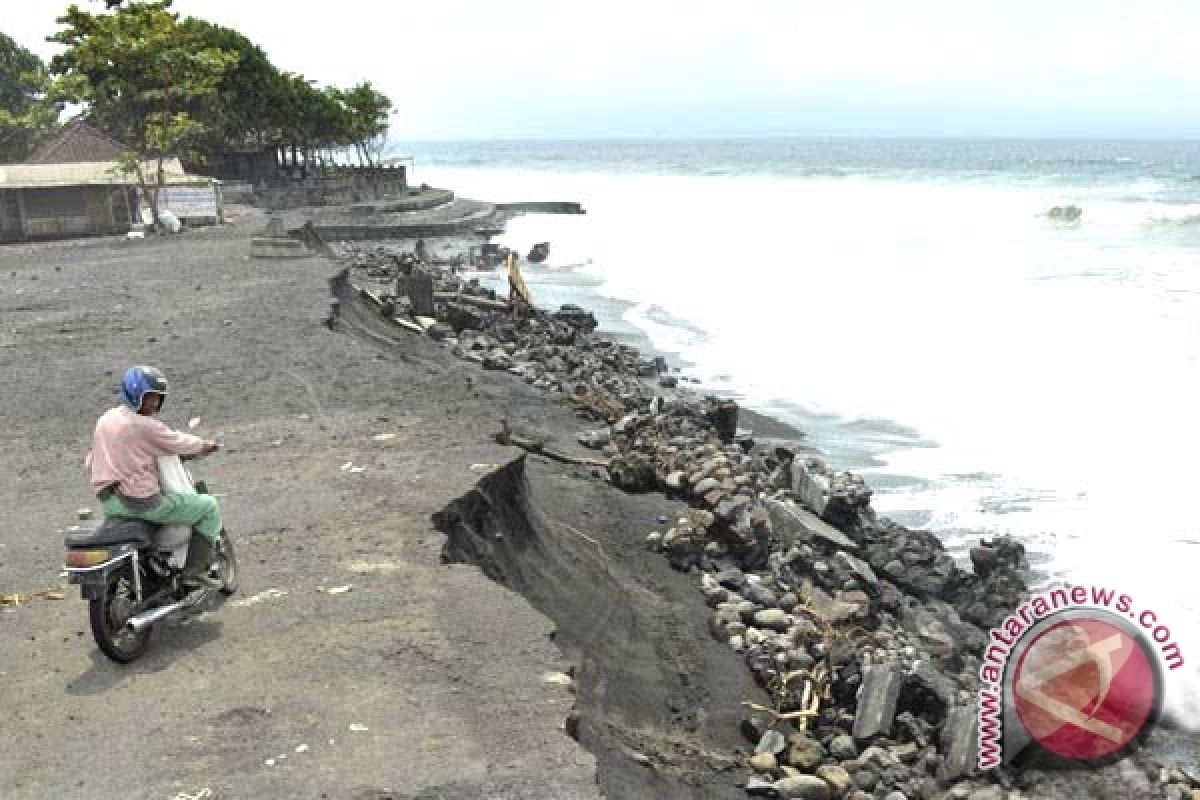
196	456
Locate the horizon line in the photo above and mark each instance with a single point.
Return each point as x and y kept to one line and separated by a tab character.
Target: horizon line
1182	139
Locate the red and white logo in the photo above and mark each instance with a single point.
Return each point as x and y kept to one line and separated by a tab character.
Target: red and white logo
1085	688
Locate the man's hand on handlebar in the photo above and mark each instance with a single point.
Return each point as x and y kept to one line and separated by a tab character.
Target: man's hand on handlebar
210	447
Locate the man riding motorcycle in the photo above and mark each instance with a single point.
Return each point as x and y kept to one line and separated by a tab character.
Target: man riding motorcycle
126	444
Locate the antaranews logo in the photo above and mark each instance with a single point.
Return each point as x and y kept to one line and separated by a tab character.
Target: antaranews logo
1076	671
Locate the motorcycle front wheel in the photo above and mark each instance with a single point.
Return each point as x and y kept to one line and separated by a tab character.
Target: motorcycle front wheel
109	614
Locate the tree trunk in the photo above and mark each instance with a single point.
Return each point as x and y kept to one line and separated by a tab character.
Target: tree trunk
159	181
149	193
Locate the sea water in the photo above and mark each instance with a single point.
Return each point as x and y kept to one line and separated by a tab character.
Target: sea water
911	306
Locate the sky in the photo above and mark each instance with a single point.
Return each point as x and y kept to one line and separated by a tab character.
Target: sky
479	69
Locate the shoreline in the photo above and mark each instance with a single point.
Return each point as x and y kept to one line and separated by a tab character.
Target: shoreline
690	545
573	657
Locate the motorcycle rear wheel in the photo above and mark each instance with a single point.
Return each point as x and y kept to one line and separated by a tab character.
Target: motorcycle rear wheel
110	613
226	563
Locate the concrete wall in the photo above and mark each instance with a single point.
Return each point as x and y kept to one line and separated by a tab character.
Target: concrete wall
332	187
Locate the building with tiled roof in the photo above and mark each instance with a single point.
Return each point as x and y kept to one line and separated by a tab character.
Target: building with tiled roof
77	143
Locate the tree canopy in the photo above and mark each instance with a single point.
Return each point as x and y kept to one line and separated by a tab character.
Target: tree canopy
27	115
144	78
193	88
149	81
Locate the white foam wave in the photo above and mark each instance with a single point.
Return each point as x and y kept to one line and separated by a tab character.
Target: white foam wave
1061	361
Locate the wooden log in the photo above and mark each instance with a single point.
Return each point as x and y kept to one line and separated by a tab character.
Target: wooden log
367	294
408	325
479	302
538	447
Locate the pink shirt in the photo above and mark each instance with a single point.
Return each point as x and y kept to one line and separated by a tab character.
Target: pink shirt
125	446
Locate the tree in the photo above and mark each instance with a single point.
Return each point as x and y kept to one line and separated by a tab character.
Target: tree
242	112
369	113
27	116
146	78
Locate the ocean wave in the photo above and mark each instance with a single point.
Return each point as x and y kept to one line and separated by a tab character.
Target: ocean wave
1189	222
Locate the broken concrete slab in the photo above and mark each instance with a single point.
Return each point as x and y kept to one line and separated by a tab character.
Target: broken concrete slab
793	523
810	486
960	740
881	685
857	567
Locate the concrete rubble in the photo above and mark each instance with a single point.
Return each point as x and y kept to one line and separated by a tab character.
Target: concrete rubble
867	635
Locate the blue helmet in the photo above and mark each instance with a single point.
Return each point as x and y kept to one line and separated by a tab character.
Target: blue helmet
138	382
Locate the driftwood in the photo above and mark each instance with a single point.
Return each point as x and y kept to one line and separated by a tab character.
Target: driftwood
367	294
408	325
507	437
479	302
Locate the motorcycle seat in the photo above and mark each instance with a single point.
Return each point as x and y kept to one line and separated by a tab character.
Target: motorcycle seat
114	530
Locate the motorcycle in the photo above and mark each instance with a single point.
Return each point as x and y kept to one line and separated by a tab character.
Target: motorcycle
129	571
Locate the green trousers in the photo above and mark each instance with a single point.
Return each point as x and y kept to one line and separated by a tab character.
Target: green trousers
200	511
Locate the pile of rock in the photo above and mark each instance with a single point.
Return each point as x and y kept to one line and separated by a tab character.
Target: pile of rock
867	636
557	351
853	628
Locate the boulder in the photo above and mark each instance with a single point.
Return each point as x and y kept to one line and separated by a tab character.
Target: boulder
803	787
839	779
576	317
984	560
774	619
763	762
847	606
805	753
755	592
462	317
843	748
772	742
761	787
732	579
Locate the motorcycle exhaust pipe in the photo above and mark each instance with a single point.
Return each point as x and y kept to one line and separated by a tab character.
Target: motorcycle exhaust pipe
139	622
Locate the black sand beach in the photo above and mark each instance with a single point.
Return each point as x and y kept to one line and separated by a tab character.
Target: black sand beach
508	631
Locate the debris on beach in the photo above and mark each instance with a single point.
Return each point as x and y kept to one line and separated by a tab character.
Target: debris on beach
266	594
866	636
